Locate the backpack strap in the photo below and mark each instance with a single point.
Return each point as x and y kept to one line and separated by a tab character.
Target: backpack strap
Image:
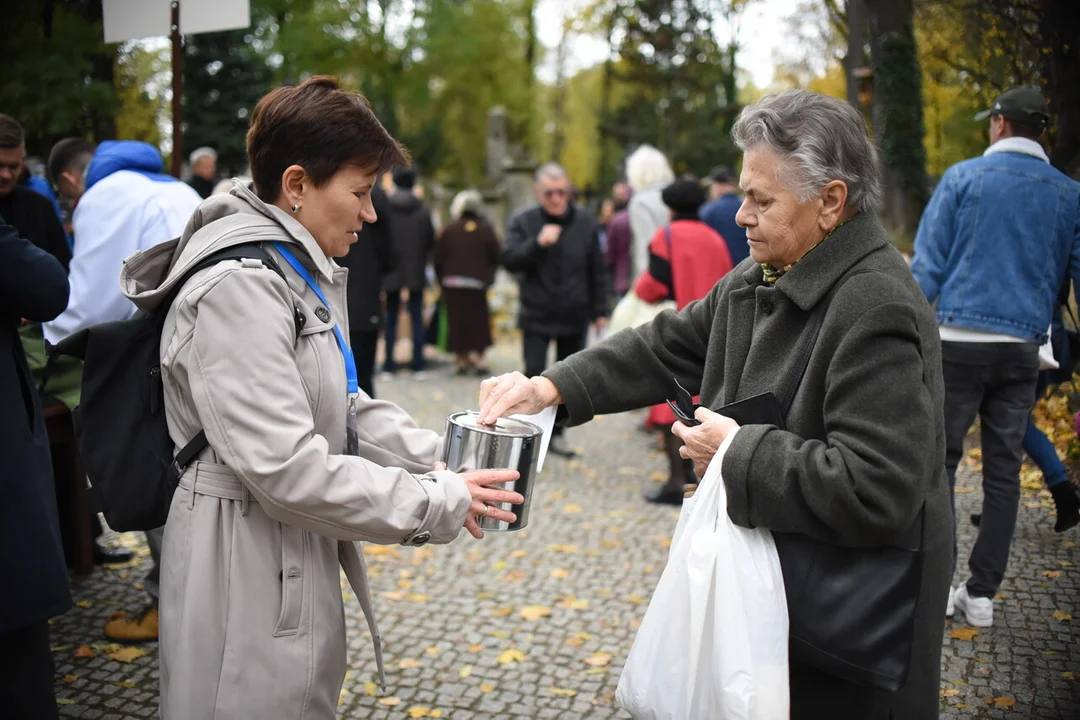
246	251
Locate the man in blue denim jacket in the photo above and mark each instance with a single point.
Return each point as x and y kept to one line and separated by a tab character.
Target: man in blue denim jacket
992	251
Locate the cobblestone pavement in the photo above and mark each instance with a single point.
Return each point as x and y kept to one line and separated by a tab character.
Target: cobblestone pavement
537	624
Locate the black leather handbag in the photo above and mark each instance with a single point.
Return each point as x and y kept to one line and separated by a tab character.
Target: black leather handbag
851	610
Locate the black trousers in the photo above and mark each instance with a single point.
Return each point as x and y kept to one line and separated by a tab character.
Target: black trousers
363	343
535	346
995	381
26	674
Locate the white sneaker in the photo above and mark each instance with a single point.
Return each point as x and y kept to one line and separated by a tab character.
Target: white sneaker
950	609
979	611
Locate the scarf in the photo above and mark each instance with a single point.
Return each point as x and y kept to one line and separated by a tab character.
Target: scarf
771	274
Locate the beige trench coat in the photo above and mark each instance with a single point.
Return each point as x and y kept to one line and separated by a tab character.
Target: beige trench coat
252	621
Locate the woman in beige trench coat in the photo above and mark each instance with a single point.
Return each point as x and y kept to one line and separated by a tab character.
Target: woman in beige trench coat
252	621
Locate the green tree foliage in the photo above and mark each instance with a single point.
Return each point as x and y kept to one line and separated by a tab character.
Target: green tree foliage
680	83
141	81
57	73
224	76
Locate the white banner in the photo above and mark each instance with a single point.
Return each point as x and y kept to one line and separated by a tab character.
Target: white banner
136	19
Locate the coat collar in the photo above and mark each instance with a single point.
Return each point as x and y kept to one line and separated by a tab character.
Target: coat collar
312	253
816	274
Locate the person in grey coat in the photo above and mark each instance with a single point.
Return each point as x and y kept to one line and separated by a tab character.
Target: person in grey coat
863	455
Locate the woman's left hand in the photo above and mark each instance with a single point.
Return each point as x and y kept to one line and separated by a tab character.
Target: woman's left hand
701	443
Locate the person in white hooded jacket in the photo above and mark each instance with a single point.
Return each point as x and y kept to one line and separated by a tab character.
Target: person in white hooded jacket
301	464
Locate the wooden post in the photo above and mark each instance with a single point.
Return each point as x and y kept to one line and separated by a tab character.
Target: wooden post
177	91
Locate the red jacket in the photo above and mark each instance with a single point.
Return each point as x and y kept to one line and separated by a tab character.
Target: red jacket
700	259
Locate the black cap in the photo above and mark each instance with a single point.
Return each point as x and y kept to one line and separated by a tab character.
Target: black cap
722	174
683	196
1024	104
404	178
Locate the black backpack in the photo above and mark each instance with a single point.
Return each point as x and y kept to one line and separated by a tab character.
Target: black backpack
120	421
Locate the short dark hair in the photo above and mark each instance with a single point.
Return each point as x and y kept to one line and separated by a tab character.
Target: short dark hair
11	133
1031	128
404	178
73	153
319	127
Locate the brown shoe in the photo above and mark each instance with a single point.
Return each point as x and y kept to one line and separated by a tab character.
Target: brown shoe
134	630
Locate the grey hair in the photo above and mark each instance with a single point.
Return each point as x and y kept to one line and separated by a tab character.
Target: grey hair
199	153
466	201
821	139
647	167
551	171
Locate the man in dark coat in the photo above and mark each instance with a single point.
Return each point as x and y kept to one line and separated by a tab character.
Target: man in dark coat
33	285
414	237
555	249
369	258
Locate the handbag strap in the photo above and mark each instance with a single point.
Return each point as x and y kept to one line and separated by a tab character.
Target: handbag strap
817	319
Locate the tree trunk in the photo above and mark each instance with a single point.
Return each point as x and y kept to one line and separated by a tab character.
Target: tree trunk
898	111
1060	29
603	177
855	57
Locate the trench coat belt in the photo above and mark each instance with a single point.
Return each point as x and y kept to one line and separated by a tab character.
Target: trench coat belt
219	481
215	480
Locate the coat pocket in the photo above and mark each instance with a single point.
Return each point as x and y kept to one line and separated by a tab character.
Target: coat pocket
293	557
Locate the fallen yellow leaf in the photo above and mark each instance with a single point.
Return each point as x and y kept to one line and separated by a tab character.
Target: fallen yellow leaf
596	671
475	648
598	660
409	663
418	598
435	714
562	692
568	549
961	489
465	672
579	639
84	651
59	648
963	633
560	574
636	599
518	554
418	711
127	654
1061	616
571	509
1066	675
64	701
512	655
1001	702
949	692
499	634
503	611
535	612
432	650
84	604
70	678
1064	563
390	701
371	689
486	687
1051	573
500	565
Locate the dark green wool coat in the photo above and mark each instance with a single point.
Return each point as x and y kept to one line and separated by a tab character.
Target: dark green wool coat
865	445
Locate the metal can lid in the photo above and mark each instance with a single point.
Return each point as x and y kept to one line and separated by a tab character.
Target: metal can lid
508	427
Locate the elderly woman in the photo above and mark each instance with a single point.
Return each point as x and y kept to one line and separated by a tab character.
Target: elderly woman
298	464
826	313
648	172
466	258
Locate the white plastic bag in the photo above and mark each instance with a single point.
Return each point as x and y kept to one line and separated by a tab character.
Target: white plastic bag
714	641
632	311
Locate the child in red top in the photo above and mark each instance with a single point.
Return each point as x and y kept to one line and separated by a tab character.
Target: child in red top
686	259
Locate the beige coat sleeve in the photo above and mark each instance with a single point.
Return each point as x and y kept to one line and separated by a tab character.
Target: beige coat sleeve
251	399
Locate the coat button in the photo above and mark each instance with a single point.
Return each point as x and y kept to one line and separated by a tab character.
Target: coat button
323	314
420	538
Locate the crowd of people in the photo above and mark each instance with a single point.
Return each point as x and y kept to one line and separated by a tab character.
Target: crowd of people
788	302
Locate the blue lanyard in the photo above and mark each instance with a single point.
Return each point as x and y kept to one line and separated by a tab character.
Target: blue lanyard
350	363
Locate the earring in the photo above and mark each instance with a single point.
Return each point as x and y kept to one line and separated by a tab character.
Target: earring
295	208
